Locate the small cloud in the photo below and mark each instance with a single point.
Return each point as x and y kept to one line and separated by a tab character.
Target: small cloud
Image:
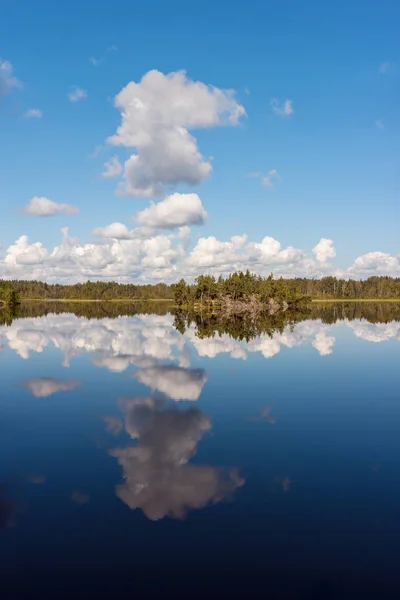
379	124
283	109
247	91
43	207
268	179
112	168
42	387
7	79
76	94
80	498
117	231
97	61
33	113
386	67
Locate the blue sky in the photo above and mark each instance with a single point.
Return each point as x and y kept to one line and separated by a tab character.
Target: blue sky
336	154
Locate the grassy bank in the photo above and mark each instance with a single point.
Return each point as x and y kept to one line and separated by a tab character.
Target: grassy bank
85	300
344	300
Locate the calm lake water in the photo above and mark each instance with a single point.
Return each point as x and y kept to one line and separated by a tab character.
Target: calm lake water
137	454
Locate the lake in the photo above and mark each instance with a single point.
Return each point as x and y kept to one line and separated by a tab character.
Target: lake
142	450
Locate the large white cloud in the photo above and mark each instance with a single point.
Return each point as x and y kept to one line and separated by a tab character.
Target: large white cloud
175	210
145	255
157	114
158	477
43	207
376	263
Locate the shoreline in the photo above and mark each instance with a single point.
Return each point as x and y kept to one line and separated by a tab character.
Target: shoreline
135	300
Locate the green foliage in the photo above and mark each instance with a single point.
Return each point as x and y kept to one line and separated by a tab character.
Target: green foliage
9	296
91	290
238	286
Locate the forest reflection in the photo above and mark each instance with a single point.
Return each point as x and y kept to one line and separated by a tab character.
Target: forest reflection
159	341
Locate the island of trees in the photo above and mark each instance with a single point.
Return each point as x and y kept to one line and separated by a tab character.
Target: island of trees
238	293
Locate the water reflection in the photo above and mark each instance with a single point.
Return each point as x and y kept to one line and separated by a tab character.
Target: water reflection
148	341
41	387
175	382
158	478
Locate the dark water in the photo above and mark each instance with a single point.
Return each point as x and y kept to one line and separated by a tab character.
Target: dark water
138	457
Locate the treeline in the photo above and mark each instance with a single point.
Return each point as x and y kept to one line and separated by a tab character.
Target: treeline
91	290
9	297
333	288
240	286
237	286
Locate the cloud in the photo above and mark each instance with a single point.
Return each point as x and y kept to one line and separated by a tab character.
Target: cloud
175	382
157	114
21	253
118	231
323	343
33	113
379	124
112	168
7	79
77	94
97	61
176	210
41	387
43	207
386	67
283	109
375	263
268	179
324	250
376	332
158	477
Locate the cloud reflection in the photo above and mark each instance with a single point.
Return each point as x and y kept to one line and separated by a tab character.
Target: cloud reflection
158	477
175	382
41	387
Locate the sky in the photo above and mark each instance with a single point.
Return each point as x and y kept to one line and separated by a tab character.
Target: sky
152	141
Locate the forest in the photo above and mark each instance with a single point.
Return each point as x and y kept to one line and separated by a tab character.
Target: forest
237	285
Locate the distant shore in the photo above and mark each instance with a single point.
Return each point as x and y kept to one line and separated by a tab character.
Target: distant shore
80	300
127	300
341	300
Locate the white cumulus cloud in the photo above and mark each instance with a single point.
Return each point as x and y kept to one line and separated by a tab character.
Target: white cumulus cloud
324	250
176	210
119	231
43	207
157	114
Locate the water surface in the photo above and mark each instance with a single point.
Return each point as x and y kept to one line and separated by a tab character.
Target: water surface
143	448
